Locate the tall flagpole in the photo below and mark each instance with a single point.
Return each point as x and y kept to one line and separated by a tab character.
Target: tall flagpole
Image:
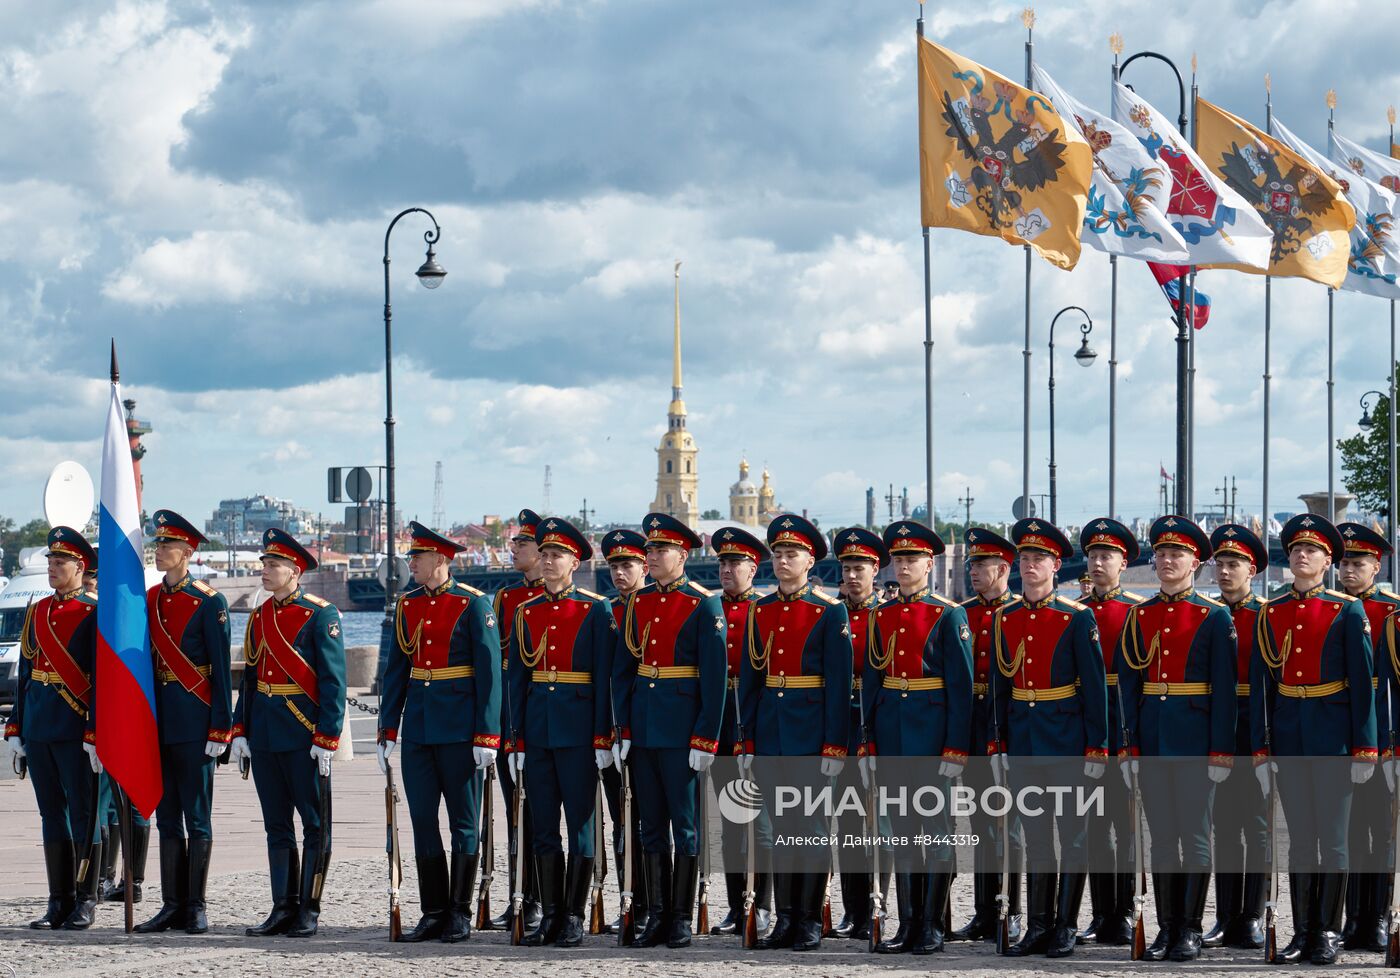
1027	18
1115	44
1390	116
928	340
1331	381
1268	311
1189	300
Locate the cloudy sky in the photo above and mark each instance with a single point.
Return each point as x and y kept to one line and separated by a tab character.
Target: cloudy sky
210	184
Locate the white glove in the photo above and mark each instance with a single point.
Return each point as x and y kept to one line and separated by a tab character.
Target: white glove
238	750
603	758
1387	767
745	762
1361	771
1129	768
92	758
516	764
1001	768
1262	773
212	748
322	757
384	750
949	769
1093	770
619	752
866	765
1218	773
700	760
832	766
484	757
16	745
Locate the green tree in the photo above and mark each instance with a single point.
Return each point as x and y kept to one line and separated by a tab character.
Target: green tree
35	533
1365	469
711	514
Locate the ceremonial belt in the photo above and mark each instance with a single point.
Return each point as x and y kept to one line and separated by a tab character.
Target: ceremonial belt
446	672
1242	689
1111	678
285	690
54	679
1175	689
928	682
66	668
561	676
296	668
795	682
981	689
178	667
1311	692
168	676
732	682
1044	695
668	672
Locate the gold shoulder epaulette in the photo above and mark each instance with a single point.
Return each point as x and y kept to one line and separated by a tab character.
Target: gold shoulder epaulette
1075	604
1389	594
203	588
970	602
471	590
1339	594
1132	596
943	600
1209	600
317	601
704	592
823	596
589	594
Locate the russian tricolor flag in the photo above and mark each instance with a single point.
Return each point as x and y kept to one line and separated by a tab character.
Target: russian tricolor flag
127	742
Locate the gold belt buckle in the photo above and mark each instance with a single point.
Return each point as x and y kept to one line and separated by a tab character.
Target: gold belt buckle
903	683
553	675
1303	692
782	681
1030	694
427	679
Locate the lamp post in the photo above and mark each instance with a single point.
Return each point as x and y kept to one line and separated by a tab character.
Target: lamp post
1084	356
1366	420
1184	502
431	274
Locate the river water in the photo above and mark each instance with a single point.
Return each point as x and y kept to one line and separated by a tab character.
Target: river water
359	627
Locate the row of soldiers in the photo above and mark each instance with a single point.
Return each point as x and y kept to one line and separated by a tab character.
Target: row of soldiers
565	685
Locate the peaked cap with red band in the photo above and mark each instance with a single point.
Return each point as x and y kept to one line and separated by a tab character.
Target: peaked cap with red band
662	528
1178	531
624	545
1032	533
790	530
170	525
64	541
279	543
426	541
1232	538
1106	532
1317	530
858	543
982	542
563	535
911	537
731	541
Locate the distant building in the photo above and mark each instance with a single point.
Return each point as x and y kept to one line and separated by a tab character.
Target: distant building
677	479
743	498
252	515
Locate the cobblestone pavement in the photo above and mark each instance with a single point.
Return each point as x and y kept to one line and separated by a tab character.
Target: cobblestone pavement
353	937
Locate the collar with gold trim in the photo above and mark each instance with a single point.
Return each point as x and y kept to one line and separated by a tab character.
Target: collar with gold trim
560	596
996	602
434	592
179	585
917	596
870	602
68	595
1178	596
1044	602
797	595
675	585
748	595
1109	595
291	598
1310	593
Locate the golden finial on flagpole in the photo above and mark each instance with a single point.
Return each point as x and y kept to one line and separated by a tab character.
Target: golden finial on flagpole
1028	18
1193	62
1268	83
1390	114
1115	43
1331	98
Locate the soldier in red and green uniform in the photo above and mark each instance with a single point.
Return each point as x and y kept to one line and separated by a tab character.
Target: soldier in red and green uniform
989	560
525	556
53	726
1310	696
288	721
1241	832
1050	697
1368	892
1176	670
1109	547
918	675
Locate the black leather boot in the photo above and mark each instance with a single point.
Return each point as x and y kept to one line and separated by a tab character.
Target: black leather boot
1301	895
432	898
578	880
1100	888
1187	946
58	869
811	890
936	887
549	870
1117	927
1067	915
196	920
85	898
784	930
1015	913
309	913
1246	931
1382	885
284	873
658	873
983	924
1040	921
1229	896
1166	888
140	846
734	891
107	883
1331	892
504	919
1355	900
460	892
174	880
763	901
855	903
685	877
908	898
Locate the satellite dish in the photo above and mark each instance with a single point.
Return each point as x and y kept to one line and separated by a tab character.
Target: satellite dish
69	496
382	572
1021	507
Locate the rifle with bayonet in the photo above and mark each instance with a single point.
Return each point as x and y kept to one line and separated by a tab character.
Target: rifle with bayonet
1392	920
488	850
517	898
1004	833
596	923
1271	904
627	932
702	912
748	922
391	847
1139	946
877	898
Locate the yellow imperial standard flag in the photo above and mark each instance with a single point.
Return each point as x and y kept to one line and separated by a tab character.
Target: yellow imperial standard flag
1303	206
996	158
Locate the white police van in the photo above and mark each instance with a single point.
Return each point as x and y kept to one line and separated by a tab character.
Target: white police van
30	583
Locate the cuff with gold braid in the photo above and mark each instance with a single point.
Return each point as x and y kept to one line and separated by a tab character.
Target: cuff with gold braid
995	747
325	741
90	737
744	748
1221	760
1261	757
1096	753
219	736
238	731
956	756
624	733
603	742
1363	754
389	734
701	743
11	730
492	741
832	750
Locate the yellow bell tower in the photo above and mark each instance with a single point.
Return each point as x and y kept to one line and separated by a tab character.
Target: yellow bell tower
677	480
